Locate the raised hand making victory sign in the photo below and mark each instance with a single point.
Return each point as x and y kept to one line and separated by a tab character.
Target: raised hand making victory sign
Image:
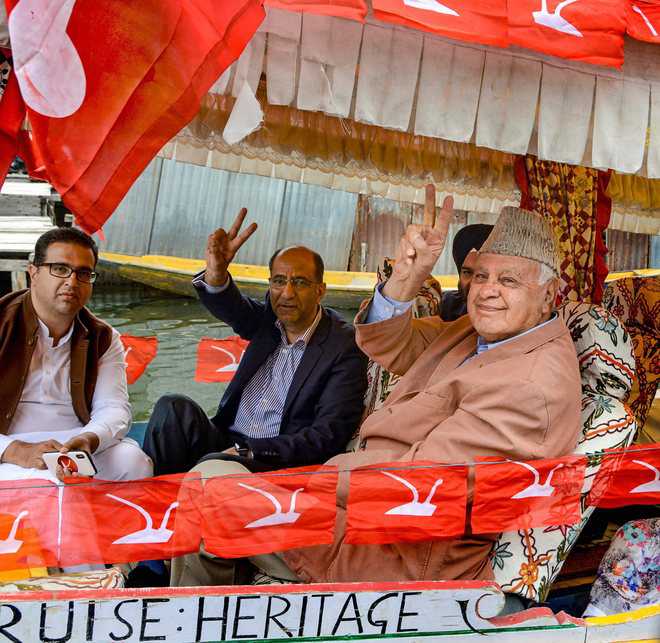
222	247
419	249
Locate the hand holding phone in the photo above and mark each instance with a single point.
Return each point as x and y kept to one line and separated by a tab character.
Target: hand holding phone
74	463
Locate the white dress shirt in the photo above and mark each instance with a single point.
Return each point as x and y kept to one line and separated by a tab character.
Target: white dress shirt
45	409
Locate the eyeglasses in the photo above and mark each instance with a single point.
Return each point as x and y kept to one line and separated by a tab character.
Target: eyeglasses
279	282
63	271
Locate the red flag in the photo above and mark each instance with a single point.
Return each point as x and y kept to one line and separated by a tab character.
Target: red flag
644	20
353	9
218	359
28	524
247	514
522	495
139	353
389	503
12	113
115	522
590	31
481	21
107	84
628	478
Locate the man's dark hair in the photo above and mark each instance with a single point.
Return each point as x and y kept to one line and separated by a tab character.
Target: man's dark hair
63	235
319	267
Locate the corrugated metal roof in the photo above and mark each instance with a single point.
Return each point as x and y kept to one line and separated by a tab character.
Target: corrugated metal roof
627	250
193	201
320	218
128	229
174	206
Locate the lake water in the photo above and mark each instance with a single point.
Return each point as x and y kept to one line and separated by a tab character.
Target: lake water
178	323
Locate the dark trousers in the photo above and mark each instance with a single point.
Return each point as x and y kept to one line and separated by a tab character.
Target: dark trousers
179	434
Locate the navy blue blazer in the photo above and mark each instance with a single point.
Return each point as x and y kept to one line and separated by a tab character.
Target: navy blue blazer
324	404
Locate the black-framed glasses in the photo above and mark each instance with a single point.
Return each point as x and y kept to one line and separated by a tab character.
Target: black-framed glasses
63	271
279	282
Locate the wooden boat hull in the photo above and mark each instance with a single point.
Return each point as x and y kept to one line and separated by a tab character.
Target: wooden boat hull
411	611
173	274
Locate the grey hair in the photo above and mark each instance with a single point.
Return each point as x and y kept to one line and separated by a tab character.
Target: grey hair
546	273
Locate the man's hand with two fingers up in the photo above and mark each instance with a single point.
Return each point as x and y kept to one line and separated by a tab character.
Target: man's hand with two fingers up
222	247
419	249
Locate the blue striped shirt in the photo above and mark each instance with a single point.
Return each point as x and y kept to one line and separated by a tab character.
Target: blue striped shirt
259	413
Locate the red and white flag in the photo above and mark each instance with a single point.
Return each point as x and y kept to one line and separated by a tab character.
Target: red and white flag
115	522
12	113
249	514
218	359
353	9
482	21
521	495
644	20
28	524
590	31
107	84
628	478
389	503
139	351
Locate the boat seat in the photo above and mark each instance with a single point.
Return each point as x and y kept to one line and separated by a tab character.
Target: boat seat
526	562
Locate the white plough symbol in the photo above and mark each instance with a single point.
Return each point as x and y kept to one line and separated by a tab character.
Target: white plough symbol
148	535
10	545
536	489
649	24
414	507
233	366
278	517
430	5
555	20
48	67
648	487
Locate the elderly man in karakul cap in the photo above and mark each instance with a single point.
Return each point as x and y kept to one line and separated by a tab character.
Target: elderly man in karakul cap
501	381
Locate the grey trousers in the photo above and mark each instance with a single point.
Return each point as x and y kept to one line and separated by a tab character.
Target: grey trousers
203	568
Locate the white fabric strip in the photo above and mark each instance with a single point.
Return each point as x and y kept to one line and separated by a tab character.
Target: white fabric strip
283	29
448	94
389	68
621	118
250	65
329	55
507	107
565	114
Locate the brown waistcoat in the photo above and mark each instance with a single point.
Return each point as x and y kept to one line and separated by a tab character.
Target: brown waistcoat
19	329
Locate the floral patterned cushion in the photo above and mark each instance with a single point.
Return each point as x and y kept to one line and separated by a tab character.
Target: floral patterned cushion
526	562
636	302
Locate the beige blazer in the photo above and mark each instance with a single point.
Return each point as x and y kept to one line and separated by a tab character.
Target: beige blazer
520	400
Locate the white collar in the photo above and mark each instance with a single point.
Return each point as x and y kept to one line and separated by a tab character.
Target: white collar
483	345
46	336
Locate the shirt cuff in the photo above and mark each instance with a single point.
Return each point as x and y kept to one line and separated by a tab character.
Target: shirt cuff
199	282
5	441
382	307
105	436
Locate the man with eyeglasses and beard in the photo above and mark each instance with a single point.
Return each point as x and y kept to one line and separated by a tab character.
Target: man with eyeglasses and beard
297	396
63	370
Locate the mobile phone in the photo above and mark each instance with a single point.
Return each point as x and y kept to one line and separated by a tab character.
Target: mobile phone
73	462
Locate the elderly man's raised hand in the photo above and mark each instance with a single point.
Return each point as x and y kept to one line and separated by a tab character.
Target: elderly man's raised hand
222	247
419	249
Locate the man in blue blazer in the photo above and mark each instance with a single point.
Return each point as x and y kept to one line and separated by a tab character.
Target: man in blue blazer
297	396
